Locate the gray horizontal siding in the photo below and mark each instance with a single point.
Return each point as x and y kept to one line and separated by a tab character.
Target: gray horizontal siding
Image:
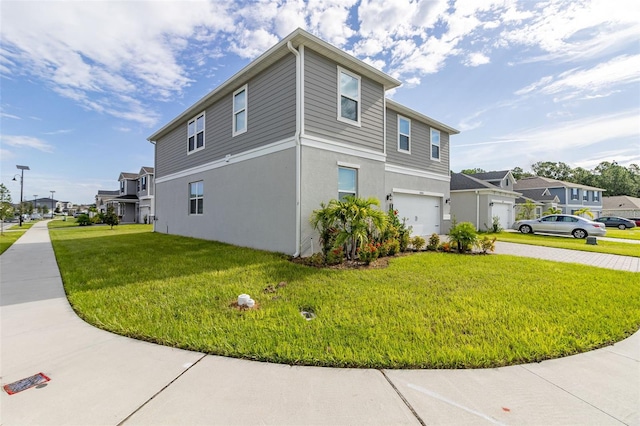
420	157
271	113
321	106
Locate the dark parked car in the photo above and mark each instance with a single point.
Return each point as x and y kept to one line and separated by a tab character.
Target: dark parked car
616	222
635	219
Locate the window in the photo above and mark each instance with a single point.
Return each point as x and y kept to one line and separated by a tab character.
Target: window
435	144
122	187
143	179
404	134
240	111
574	193
596	195
347	182
585	195
348	97
195	130
196	197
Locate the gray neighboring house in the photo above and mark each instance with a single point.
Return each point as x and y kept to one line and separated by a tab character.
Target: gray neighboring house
621	205
103	197
571	196
542	198
133	202
480	197
302	124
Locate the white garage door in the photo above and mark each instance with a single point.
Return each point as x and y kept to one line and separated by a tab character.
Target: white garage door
422	212
503	211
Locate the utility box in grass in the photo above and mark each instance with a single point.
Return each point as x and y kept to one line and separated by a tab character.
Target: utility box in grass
593	241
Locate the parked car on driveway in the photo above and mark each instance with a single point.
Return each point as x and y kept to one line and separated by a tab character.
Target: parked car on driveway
615	221
566	224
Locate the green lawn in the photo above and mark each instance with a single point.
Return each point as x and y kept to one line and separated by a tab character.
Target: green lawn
627	234
610	247
429	310
12	234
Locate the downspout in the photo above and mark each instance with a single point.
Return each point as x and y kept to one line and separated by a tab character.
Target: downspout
298	147
155	148
477	209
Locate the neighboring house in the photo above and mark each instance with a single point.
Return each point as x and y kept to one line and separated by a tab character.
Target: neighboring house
133	203
145	194
40	203
103	197
621	205
302	124
571	196
542	198
480	197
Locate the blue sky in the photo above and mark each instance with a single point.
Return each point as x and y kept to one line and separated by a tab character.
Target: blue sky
83	84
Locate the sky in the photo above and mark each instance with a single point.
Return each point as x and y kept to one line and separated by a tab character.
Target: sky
84	83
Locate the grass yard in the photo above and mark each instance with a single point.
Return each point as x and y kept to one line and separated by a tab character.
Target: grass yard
610	247
429	310
12	234
627	234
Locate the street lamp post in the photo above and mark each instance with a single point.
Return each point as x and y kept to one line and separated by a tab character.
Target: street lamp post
35	204
22	169
52	192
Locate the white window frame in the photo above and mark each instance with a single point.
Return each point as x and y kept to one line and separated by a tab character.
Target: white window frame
194	120
355	192
236	111
431	144
575	191
400	149
585	195
358	100
198	197
596	195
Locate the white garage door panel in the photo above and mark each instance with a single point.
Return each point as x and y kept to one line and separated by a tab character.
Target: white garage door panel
422	212
502	211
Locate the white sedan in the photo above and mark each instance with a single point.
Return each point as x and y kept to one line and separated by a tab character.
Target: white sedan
565	224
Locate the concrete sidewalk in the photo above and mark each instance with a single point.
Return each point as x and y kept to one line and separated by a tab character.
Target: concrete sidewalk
98	378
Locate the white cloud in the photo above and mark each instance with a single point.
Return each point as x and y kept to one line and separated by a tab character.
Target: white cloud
26	142
476	59
5	115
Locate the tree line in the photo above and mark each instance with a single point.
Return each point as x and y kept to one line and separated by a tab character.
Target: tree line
608	175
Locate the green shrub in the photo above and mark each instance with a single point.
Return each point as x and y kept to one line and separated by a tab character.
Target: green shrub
391	247
83	220
335	256
464	235
434	242
418	242
368	252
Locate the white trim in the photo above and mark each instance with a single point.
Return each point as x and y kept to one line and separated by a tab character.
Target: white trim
235	113
301	76
416	192
404	151
328	145
348	165
431	130
384	123
231	159
413	172
501	202
195	135
357	122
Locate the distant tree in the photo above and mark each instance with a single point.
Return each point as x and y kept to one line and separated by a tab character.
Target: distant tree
548	169
111	218
582	176
6	206
518	173
615	179
473	171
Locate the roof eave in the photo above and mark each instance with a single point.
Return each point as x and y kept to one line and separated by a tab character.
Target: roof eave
419	116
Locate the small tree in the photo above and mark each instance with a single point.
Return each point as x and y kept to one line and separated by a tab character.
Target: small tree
527	210
323	221
6	207
111	218
584	210
464	234
551	210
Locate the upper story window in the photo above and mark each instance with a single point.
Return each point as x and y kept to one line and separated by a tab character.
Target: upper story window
585	195
347	182
404	134
122	186
195	131
596	195
435	144
143	182
240	110
196	197
348	97
575	193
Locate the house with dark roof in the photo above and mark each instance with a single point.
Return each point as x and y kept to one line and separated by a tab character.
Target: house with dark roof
571	197
134	201
478	201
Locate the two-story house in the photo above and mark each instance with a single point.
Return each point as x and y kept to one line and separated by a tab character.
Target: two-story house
302	124
133	202
566	196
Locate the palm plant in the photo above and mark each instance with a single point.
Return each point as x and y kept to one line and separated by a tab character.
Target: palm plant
357	221
584	210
